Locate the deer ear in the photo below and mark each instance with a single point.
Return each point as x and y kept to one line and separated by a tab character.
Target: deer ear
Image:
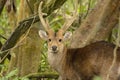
43	34
67	35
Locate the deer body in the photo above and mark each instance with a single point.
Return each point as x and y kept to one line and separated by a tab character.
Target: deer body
79	63
92	60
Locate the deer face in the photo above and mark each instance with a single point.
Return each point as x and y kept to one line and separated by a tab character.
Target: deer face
55	40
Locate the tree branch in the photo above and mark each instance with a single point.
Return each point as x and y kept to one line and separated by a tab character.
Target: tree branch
98	24
43	75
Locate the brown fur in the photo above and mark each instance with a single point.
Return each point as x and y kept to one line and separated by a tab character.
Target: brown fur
94	59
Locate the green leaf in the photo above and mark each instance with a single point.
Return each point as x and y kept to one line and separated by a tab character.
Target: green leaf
12	73
24	78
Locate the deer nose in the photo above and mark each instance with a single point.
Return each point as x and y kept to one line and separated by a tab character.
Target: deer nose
54	48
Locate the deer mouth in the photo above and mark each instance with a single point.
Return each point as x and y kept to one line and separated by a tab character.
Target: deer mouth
55	51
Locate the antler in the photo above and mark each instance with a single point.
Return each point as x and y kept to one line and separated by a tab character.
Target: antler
69	21
43	21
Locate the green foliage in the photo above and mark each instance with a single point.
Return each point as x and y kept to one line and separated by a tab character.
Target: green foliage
114	35
4	67
5	32
13	75
44	65
4	26
97	78
43	62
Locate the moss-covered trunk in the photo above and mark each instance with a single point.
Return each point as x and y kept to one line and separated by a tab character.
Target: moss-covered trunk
27	53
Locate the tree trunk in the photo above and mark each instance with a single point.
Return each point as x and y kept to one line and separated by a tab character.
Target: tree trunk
98	24
27	54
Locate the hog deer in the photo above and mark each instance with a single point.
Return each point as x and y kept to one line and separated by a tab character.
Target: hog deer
78	63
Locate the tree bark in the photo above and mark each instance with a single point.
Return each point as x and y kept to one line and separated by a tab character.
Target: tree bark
98	24
27	55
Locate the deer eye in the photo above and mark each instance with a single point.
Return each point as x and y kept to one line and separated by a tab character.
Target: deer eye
60	40
49	40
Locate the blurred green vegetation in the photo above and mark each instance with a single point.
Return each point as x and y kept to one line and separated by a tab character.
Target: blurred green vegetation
5	29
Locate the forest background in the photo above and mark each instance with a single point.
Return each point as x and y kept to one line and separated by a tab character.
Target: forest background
24	55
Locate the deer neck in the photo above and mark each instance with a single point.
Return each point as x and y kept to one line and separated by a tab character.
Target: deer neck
56	59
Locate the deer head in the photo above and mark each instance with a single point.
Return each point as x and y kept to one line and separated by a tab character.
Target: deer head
54	39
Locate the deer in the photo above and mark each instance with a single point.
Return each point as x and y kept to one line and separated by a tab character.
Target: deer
83	63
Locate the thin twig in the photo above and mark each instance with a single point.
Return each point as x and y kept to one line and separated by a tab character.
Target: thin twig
115	51
3	37
88	8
